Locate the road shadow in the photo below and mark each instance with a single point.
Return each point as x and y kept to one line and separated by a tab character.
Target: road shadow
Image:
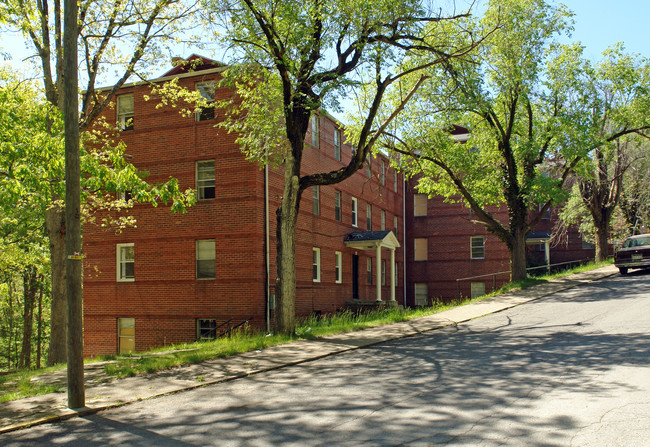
450	386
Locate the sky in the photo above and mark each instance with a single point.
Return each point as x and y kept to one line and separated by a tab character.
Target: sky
601	23
598	24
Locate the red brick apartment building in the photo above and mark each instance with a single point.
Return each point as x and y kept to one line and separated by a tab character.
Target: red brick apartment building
178	277
181	277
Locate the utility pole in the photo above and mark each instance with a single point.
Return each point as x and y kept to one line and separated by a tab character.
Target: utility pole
74	258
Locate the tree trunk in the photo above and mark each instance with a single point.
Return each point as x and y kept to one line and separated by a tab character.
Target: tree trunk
287	219
30	286
518	256
602	237
55	220
39	326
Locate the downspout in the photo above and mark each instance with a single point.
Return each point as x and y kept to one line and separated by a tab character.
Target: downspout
404	244
267	249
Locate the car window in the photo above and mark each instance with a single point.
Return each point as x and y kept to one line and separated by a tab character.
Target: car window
636	242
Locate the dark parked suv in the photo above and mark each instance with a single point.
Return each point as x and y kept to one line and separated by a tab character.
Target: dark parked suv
633	254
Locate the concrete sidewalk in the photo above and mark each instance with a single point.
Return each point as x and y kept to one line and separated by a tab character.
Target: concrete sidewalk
103	393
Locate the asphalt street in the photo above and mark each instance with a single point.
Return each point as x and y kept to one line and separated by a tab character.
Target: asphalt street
571	369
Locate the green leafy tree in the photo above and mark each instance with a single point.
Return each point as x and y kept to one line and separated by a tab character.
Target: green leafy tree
296	57
615	116
115	40
515	95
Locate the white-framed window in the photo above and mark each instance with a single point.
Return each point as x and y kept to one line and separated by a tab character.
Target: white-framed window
315	199
547	213
369	217
477	289
383	272
205	180
206	329
369	270
421	294
383	173
206	90
205	259
368	167
395	181
477	244
337	144
316	265
420	205
354	212
338	267
383	220
315	131
125	262
395	225
125	111
396	273
337	206
420	249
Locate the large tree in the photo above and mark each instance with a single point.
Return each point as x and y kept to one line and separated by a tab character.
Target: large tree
296	57
115	41
616	115
514	95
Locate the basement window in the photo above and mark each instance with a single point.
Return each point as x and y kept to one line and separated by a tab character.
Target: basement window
206	329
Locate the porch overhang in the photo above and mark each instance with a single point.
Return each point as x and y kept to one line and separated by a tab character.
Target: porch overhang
376	240
370	240
538	237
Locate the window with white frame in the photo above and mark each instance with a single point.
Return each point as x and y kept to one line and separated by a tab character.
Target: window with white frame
421	294
354	212
383	272
206	91
394	180
338	267
383	173
205	259
126	262
206	329
369	270
337	144
205	180
206	111
420	249
125	111
337	206
477	244
316	265
419	204
368	167
315	131
383	220
369	217
315	199
395	225
477	289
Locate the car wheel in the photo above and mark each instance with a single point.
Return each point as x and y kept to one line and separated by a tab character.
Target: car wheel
623	270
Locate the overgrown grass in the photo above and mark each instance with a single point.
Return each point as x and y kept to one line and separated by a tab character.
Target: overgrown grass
24	384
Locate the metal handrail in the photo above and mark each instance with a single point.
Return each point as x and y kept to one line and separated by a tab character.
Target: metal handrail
494	275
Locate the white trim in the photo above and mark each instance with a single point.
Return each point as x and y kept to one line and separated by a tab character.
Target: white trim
355	212
315	264
471	246
338	267
118	252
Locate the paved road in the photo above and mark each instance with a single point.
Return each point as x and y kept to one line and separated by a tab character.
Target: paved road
572	369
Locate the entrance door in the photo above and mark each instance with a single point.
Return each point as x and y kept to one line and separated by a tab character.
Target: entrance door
355	277
126	335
